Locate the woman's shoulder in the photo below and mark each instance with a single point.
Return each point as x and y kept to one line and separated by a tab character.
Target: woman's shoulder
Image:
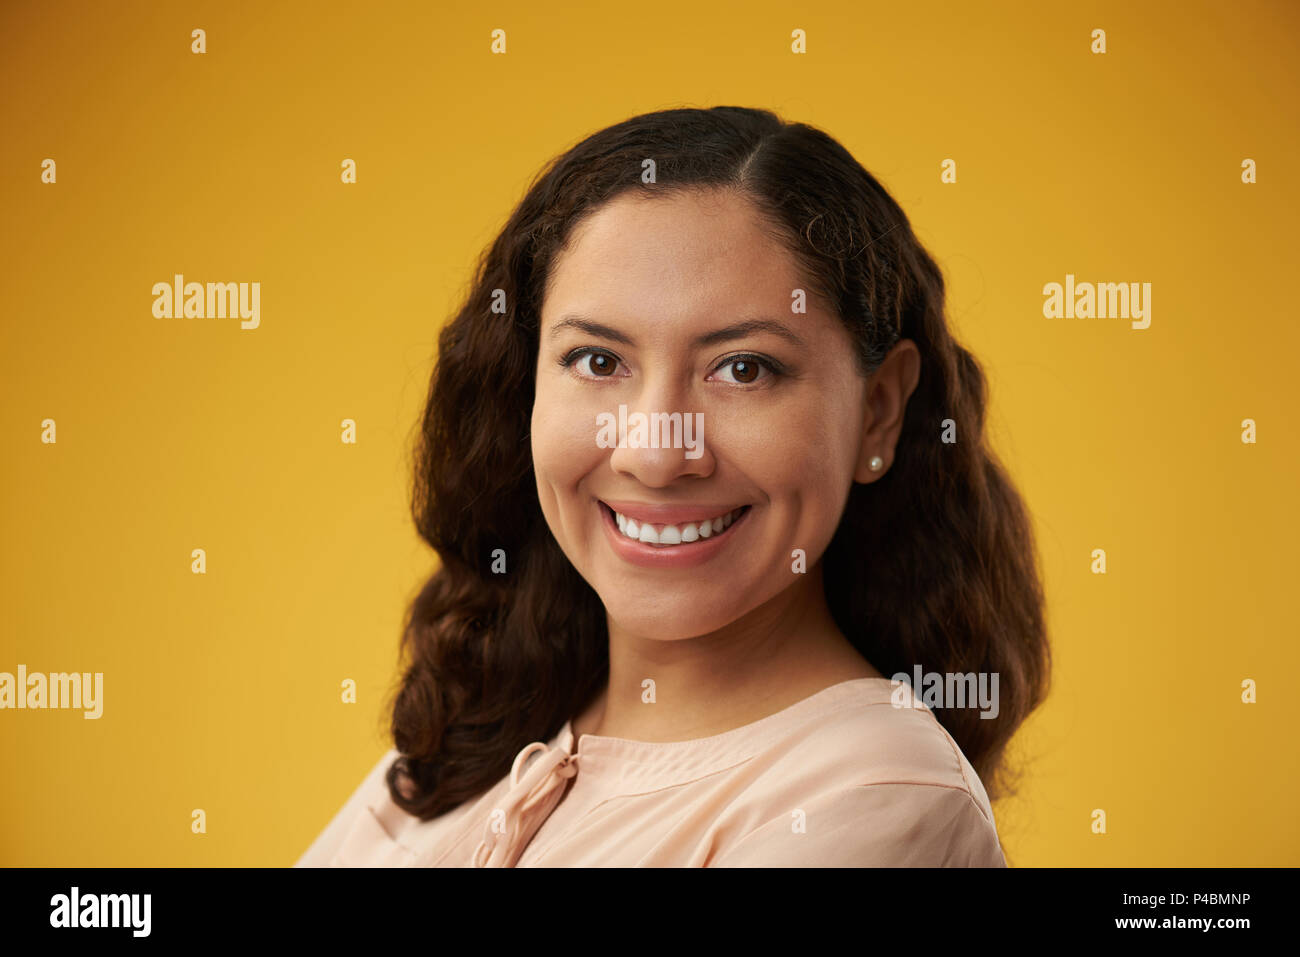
875	780
896	739
888	824
368	817
877	732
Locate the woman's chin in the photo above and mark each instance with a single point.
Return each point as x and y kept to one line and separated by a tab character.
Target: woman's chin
648	620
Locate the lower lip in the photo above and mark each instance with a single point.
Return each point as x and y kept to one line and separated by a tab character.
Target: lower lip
670	556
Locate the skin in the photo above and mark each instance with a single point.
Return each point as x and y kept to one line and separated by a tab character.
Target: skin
743	636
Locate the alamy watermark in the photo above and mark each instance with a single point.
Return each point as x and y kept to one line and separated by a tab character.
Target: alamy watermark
102	910
1100	300
933	689
55	690
658	430
179	299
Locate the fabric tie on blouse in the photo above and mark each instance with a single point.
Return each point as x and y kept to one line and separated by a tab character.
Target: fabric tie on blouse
532	795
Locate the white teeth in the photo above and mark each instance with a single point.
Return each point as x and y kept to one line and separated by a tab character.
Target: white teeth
666	536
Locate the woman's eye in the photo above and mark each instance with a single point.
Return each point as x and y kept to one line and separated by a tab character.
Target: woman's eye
596	365
744	370
599	364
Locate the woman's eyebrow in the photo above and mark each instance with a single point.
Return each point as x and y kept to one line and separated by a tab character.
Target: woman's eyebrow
591	328
736	330
748	327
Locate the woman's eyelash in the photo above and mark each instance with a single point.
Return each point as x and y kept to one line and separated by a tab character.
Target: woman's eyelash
570	357
771	365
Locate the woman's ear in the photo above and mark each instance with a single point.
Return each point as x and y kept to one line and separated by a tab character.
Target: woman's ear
888	390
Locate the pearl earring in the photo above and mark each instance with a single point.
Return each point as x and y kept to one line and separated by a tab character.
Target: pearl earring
876	463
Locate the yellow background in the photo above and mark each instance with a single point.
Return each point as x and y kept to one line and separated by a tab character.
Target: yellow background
221	691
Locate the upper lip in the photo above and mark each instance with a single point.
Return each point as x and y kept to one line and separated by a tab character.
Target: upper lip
669	514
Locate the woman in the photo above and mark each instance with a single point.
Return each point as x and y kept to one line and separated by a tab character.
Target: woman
703	465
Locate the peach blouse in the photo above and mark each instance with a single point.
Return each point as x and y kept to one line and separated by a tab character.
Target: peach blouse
843	778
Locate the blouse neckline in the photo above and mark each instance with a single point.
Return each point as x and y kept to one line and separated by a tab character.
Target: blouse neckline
543	771
664	763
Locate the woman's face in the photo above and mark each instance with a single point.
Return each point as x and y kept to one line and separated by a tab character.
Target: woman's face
683	304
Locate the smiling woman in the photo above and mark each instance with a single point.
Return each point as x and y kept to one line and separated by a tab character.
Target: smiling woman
684	663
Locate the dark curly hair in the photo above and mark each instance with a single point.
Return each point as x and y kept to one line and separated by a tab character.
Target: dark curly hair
492	662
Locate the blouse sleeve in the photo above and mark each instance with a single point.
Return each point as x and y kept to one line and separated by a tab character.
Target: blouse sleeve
875	825
327	844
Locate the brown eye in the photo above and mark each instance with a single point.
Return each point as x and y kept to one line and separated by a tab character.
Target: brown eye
599	364
743	371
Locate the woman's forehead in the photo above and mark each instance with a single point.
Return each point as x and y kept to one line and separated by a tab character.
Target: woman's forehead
665	260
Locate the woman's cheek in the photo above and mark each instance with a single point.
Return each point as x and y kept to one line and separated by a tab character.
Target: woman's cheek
563	439
785	444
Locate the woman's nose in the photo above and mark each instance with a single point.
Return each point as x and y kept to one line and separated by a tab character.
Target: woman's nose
654	442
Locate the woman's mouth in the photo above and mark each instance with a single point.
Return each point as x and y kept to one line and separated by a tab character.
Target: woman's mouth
675	535
694	537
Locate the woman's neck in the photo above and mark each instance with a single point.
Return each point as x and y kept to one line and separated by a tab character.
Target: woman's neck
661	690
